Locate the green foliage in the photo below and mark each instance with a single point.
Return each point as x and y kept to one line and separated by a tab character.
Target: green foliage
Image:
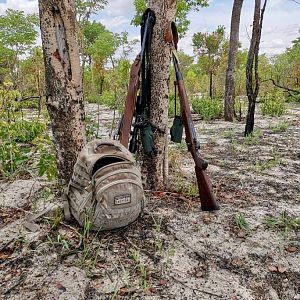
8	103
47	159
17	30
210	48
284	222
285	70
273	104
21	131
21	137
107	99
85	8
183	8
241	222
280	127
240	107
57	218
261	166
208	109
253	138
12	156
31	76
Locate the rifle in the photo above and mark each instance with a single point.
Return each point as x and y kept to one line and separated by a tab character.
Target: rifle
124	127
139	106
207	197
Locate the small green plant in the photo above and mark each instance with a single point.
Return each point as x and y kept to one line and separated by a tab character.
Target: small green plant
254	138
47	159
186	187
241	222
57	218
208	109
21	131
58	242
141	268
12	157
273	104
174	155
261	166
284	222
229	134
158	242
280	127
46	193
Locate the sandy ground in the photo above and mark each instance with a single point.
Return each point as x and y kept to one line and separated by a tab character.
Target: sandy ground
174	251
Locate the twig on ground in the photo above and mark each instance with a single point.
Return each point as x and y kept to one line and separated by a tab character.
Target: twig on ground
18	282
194	289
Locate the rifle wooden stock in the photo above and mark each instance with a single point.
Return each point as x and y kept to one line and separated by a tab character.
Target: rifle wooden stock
207	198
125	128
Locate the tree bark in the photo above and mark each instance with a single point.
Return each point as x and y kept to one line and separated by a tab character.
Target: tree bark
252	63
211	84
64	96
155	168
230	72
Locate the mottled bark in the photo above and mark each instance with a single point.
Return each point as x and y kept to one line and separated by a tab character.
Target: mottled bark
230	72
156	168
252	65
211	84
64	96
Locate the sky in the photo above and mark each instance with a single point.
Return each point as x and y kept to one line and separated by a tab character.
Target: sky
281	23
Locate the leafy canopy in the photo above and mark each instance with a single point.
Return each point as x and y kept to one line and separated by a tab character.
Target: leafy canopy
17	30
210	47
85	8
183	8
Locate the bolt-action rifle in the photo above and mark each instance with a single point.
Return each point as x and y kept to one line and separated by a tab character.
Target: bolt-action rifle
207	198
139	105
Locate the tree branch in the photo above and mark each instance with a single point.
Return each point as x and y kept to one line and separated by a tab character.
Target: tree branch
283	87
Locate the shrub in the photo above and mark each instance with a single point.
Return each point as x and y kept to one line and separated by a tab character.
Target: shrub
171	110
31	104
107	98
273	104
21	131
207	108
47	159
12	156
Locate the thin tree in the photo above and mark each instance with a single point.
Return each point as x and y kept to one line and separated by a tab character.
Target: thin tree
156	167
64	97
252	84
230	72
209	47
165	10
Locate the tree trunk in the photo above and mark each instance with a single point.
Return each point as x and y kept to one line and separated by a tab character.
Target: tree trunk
155	168
230	72
64	97
252	62
211	84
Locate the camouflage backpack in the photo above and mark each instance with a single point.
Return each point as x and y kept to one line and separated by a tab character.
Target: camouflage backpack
106	187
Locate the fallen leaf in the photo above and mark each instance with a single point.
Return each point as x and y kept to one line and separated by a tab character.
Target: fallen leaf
60	287
272	268
163	282
241	234
291	249
152	290
206	219
281	269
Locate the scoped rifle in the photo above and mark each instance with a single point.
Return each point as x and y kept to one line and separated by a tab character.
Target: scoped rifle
207	198
138	106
